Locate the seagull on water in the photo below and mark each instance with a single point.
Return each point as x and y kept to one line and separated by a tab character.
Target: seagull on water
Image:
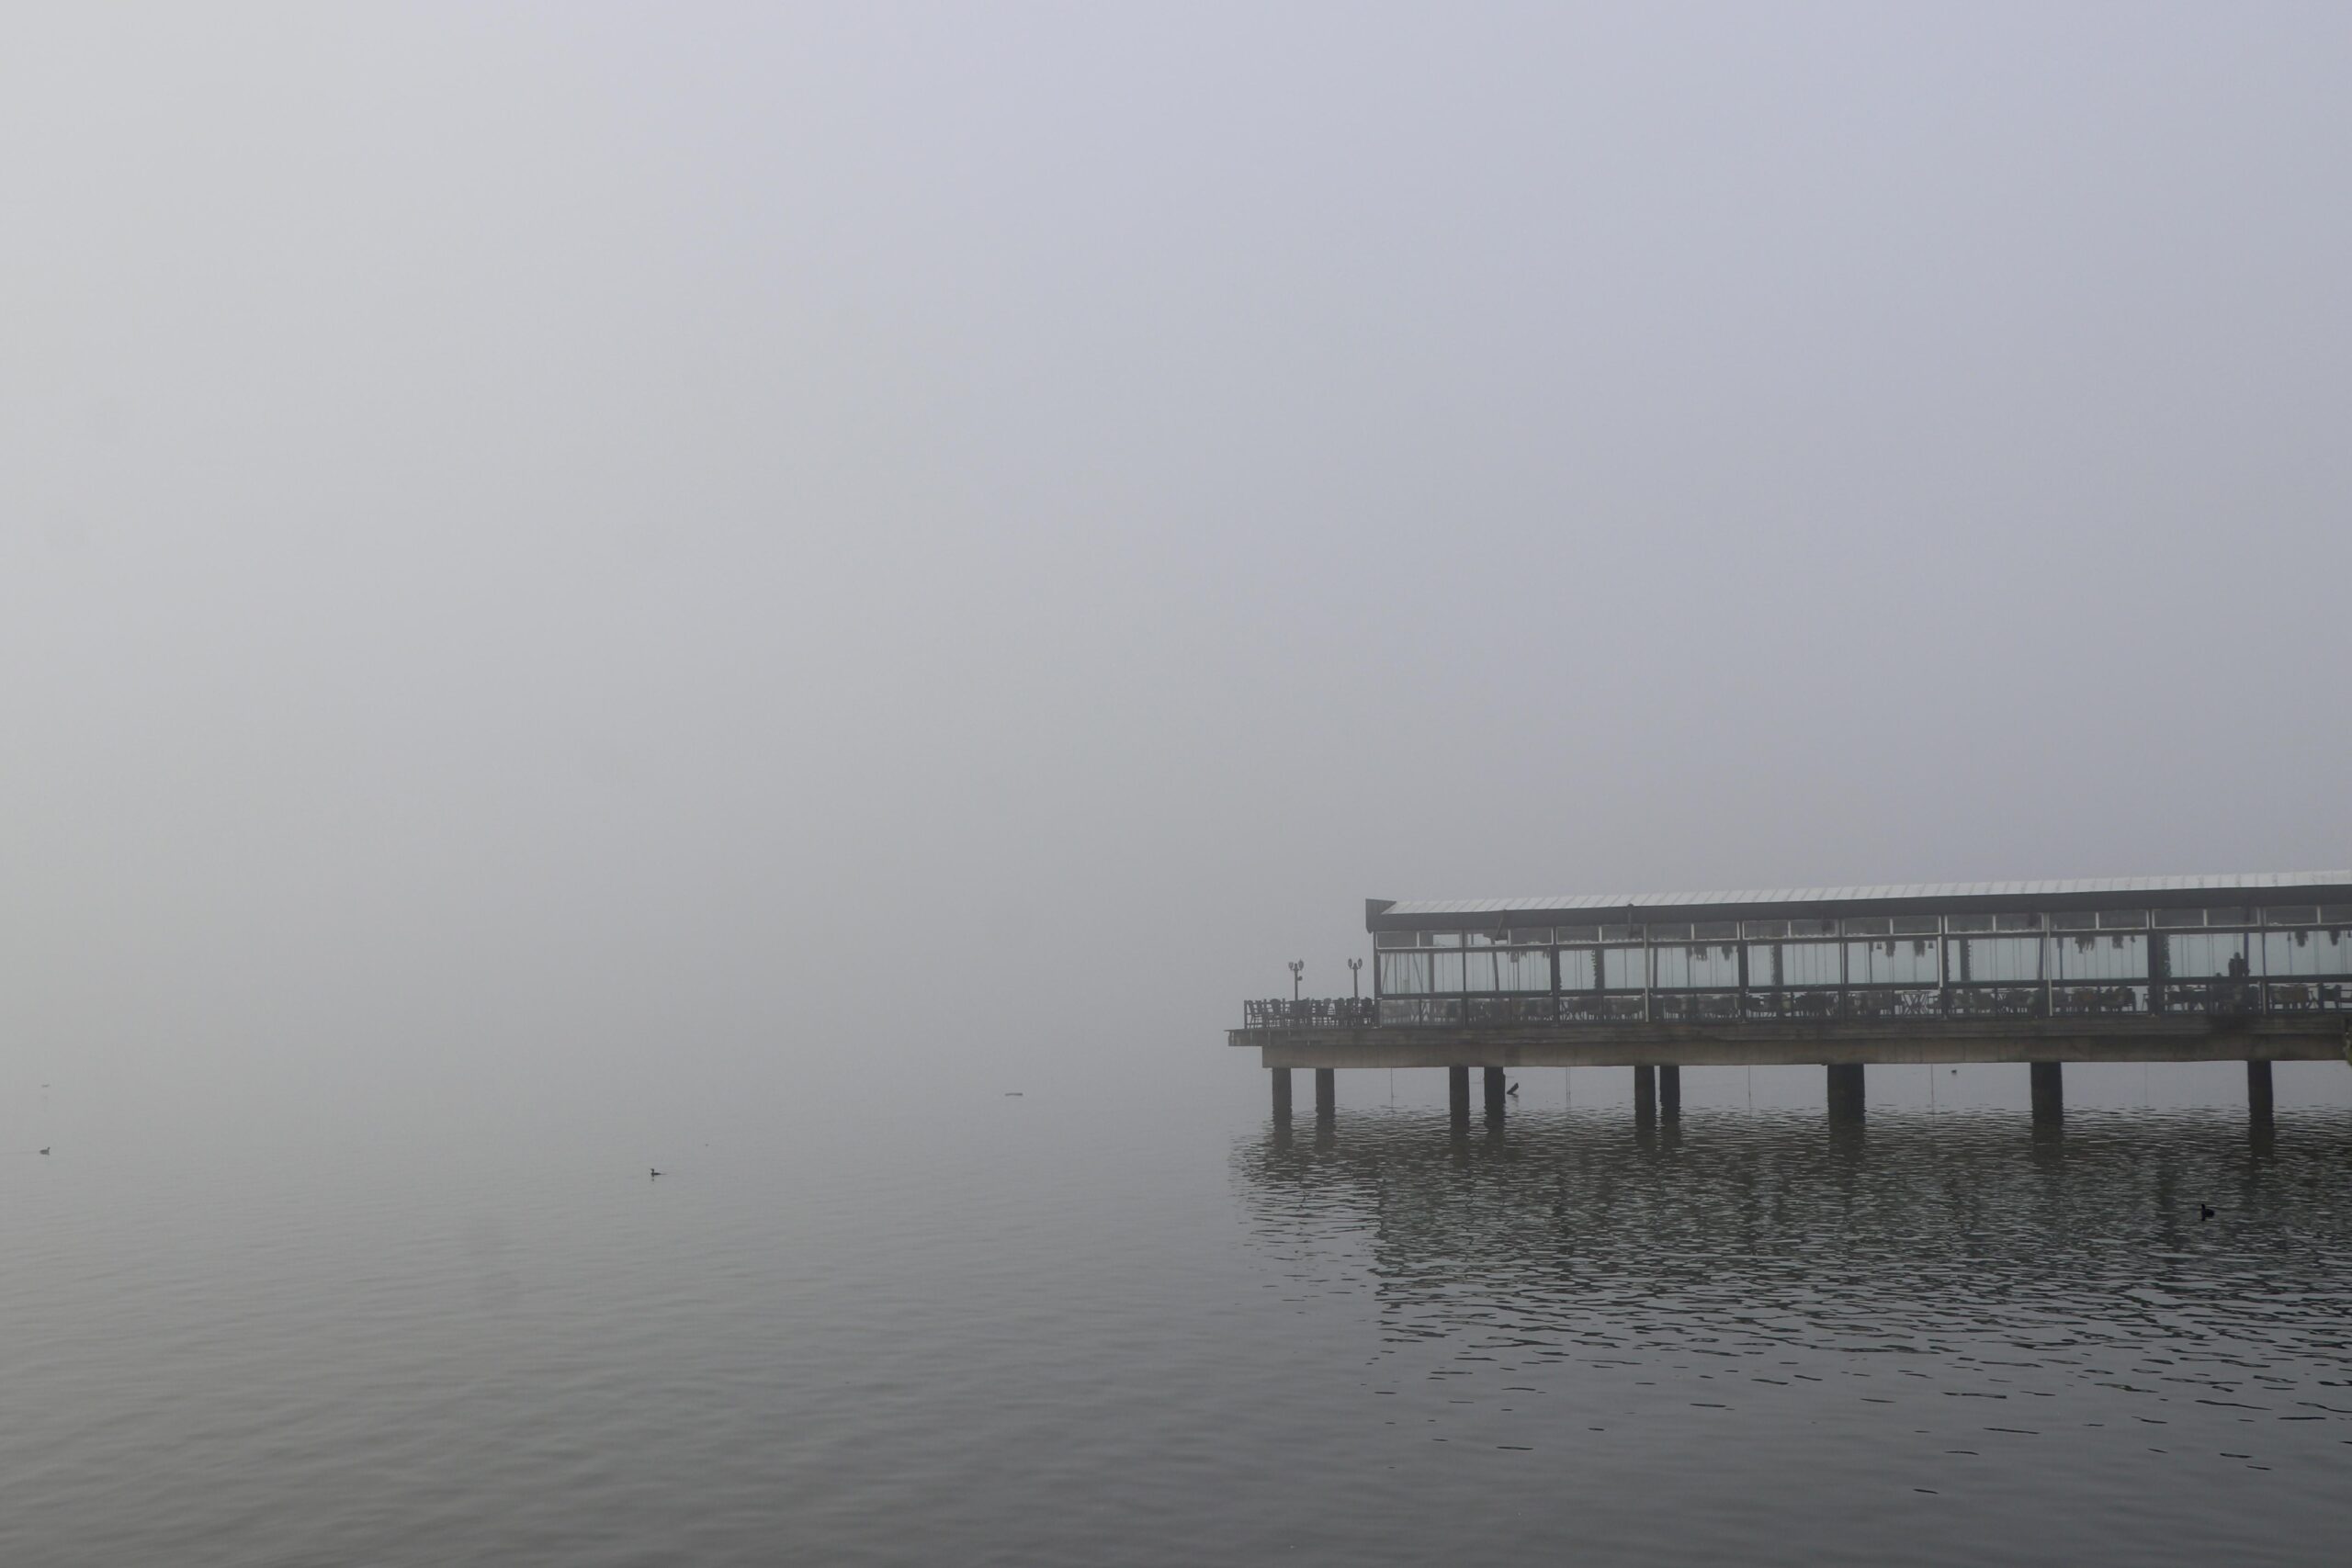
1513	1091
650	1172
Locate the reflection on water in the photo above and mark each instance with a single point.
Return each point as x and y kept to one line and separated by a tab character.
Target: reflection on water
1058	1332
1974	1303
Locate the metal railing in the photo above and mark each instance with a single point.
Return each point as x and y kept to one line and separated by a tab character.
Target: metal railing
2240	999
1309	1013
2211	998
2309	996
2075	1000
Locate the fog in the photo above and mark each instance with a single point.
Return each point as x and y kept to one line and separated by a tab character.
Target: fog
564	546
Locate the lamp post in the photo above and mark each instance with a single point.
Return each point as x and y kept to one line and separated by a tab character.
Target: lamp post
1355	982
1298	968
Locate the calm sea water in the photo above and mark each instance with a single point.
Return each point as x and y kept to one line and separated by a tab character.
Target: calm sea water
1130	1322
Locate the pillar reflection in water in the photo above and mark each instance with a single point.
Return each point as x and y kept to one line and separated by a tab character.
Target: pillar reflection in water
1762	1235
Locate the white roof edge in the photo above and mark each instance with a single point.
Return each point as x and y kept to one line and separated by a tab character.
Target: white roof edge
2252	881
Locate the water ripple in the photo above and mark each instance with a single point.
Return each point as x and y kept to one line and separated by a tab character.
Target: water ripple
1950	1304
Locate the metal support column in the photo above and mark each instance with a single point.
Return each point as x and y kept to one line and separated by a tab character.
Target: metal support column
1327	1093
1646	1095
1457	1094
2049	1091
1495	1095
1670	1093
1846	1091
2258	1091
1282	1095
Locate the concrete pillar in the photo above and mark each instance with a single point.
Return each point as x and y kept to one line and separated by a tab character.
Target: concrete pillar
1644	1094
2049	1091
1281	1094
1327	1093
1494	1094
1457	1094
2258	1091
1670	1093
1846	1091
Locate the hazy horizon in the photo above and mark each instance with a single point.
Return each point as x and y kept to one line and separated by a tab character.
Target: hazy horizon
573	539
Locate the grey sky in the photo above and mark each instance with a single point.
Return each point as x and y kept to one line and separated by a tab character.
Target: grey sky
752	528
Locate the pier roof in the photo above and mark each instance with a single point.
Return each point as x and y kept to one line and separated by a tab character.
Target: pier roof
2251	887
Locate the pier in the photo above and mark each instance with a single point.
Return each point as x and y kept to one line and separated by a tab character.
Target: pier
2254	968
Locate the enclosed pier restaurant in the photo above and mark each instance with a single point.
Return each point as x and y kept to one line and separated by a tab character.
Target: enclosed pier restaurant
2254	968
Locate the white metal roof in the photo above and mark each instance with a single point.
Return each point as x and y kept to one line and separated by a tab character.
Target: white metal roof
2252	882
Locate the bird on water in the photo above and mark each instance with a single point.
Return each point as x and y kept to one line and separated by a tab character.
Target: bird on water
2204	1212
650	1173
1512	1091
44	1151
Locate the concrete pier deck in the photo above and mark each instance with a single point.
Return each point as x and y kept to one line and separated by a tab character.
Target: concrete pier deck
2321	1037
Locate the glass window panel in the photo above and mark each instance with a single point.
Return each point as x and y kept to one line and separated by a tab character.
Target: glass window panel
1448	972
2109	919
1392	939
1523	969
1810	963
1578	971
1623	969
2229	917
1763	965
1531	936
2293	953
1715	930
1709	966
1579	934
1996	960
1915	925
2118	957
1766	928
1813	928
1478	970
2336	914
1621	934
1669	933
2016	922
1440	939
1903	961
2073	920
1872	925
2180	917
2202	955
1405	974
2291	915
1968	922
